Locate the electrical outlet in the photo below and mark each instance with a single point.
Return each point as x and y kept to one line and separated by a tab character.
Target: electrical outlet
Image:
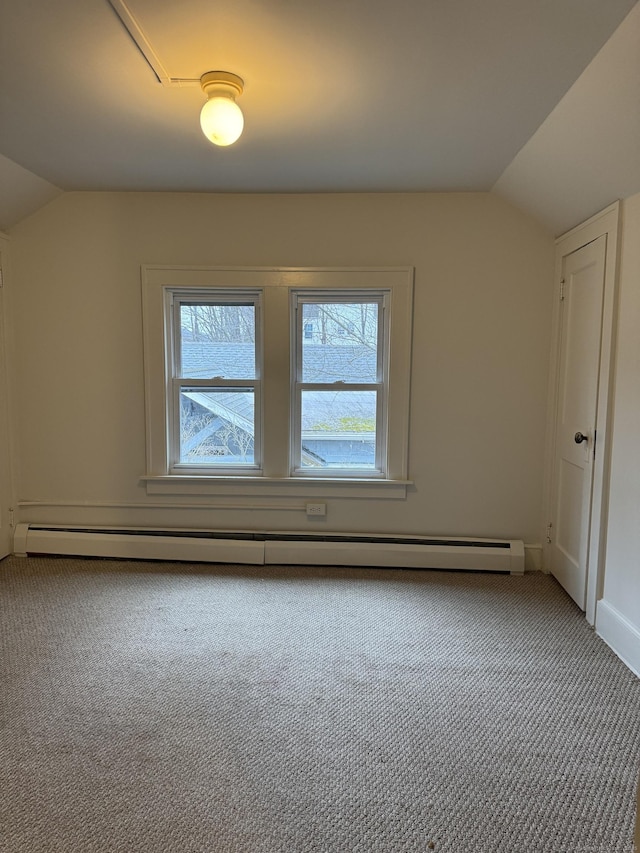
316	510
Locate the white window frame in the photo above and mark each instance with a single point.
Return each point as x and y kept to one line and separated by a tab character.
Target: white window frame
380	386
276	476
176	297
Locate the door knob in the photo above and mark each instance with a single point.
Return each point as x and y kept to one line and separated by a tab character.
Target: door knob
580	437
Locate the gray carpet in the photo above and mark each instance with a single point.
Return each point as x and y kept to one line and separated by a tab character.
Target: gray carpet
168	707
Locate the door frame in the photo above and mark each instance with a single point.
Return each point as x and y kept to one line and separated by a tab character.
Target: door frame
606	223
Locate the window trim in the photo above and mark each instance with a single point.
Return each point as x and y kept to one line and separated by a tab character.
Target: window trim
276	284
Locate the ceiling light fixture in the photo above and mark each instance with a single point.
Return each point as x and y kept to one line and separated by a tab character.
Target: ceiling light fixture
221	118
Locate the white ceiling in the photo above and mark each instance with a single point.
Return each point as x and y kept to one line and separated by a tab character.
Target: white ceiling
341	95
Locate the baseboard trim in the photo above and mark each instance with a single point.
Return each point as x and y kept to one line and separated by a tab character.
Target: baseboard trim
620	634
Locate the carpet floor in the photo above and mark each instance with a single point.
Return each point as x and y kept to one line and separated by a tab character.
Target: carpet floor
233	709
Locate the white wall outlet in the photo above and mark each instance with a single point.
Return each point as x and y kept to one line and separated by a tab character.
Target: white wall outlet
316	510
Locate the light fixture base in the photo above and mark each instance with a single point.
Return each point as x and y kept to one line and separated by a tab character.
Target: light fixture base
223	82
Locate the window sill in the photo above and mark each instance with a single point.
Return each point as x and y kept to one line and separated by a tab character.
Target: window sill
325	487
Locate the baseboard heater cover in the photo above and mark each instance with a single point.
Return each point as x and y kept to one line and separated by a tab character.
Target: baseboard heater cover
277	548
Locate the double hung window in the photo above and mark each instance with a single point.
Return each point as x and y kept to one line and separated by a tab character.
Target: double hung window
276	377
339	383
215	370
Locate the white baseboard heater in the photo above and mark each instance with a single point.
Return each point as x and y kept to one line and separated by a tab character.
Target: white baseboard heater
317	549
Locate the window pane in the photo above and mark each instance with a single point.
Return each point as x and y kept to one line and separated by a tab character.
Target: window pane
217	340
339	341
338	429
217	427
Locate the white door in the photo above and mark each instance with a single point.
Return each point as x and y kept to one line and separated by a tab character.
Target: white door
575	433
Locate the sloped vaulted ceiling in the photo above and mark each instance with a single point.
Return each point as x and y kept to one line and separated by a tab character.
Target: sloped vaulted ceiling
341	96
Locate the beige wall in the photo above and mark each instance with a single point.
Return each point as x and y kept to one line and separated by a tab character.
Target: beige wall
619	612
483	283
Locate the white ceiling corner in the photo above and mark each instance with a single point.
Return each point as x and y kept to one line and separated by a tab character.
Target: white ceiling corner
586	154
22	193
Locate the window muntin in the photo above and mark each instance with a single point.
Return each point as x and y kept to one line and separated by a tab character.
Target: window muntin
214	423
339	388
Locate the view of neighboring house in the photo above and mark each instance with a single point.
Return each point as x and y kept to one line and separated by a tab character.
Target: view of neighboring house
338	352
338	427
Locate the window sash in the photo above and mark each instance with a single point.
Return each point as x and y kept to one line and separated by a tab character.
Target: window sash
177	383
380	387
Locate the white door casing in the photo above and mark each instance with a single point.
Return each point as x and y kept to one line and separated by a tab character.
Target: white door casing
576	428
580	381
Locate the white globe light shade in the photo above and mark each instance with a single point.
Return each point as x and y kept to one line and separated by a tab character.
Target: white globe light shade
221	120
